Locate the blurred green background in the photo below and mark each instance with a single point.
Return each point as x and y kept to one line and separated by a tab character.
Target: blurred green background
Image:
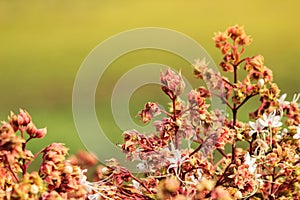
43	44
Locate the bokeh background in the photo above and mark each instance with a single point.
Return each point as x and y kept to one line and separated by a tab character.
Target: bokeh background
43	44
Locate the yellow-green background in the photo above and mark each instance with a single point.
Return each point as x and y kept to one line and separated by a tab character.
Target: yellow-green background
43	43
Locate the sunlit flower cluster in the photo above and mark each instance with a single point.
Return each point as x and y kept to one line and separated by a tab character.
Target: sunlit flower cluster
259	159
196	152
56	178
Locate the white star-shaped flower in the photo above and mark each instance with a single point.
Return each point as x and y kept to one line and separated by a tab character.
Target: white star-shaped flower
296	97
250	162
272	120
176	161
94	196
282	102
257	127
297	135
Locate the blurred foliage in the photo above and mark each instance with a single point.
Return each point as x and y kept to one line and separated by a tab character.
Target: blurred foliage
43	44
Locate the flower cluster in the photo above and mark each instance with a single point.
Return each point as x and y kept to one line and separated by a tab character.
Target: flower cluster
172	84
196	152
258	159
57	178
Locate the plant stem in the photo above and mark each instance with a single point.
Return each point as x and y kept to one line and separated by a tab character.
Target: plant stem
235	107
245	100
165	112
12	172
251	144
219	162
272	184
174	120
234	113
242	60
234	110
226	81
142	183
189	109
223	99
222	152
34	157
220	180
24	166
197	149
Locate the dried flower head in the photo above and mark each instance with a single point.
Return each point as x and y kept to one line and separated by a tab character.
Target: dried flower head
172	83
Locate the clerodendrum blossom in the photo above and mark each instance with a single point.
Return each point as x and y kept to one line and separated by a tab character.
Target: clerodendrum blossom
150	110
267	165
176	159
250	162
272	120
173	84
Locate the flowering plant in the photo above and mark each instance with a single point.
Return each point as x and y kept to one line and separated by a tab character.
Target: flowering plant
57	177
259	159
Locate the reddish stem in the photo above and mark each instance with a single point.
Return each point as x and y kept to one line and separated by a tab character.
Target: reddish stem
234	110
246	99
234	113
272	184
140	182
223	99
165	112
34	157
197	149
222	152
12	172
174	118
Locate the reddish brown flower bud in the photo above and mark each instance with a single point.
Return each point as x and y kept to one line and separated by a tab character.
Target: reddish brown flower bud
34	132
173	82
150	110
41	132
221	40
23	118
31	129
255	63
225	48
203	92
194	97
13	120
244	40
226	67
267	75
